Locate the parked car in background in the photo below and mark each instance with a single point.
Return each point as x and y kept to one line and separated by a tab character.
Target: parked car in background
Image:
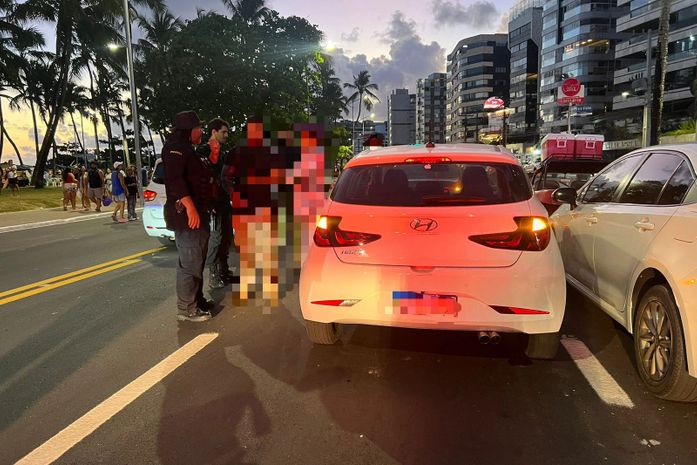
629	243
153	213
435	237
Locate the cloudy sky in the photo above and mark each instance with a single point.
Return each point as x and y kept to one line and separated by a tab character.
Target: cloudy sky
397	41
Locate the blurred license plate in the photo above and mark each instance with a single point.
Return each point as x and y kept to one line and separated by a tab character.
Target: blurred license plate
424	303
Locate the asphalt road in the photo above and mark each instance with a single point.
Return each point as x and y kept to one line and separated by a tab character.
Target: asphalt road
260	393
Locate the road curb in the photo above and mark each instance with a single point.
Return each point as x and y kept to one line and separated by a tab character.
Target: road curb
44	224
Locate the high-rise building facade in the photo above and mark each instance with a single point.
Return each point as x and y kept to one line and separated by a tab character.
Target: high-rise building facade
630	78
578	41
401	118
524	42
478	68
430	108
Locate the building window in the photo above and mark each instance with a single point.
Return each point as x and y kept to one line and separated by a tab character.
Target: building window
549	40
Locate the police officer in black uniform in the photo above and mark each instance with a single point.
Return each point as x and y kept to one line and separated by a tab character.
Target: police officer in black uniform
189	187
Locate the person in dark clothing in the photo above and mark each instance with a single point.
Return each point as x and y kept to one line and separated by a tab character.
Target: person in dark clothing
95	185
132	194
189	190
221	219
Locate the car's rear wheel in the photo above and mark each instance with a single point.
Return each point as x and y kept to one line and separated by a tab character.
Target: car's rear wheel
165	241
543	346
659	347
322	333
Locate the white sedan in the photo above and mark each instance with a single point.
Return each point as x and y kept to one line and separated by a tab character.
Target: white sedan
629	242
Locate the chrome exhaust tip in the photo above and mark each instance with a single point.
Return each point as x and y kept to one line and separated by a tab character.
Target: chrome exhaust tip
483	337
494	337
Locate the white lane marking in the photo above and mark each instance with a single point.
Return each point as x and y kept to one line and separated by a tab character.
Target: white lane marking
62	442
43	224
600	380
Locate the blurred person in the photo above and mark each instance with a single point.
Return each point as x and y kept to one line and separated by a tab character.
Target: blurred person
69	189
12	181
95	185
132	194
187	212
221	219
118	193
83	187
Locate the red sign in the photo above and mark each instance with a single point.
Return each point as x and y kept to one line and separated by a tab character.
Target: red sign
571	87
493	103
571	100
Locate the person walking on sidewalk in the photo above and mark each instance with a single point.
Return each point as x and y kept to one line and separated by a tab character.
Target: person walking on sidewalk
69	188
83	186
132	195
95	185
187	210
118	193
12	181
221	219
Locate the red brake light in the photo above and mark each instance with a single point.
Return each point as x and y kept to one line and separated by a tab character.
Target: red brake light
149	195
328	234
428	160
533	234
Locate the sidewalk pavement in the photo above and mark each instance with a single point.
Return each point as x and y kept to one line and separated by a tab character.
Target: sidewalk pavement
31	219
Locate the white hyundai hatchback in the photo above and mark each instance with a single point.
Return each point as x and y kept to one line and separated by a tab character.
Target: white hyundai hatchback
629	242
445	237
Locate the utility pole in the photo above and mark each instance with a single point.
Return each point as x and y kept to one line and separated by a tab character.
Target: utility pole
568	119
134	101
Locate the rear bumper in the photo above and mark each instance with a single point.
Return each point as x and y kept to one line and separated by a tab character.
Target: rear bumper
154	223
535	282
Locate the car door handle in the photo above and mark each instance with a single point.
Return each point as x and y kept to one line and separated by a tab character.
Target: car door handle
644	226
592	219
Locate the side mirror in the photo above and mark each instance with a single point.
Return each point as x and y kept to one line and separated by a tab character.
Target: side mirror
565	195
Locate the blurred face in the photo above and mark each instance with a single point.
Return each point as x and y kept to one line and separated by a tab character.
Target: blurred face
222	135
196	135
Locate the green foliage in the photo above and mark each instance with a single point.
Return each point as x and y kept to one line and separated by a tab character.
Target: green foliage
687	127
233	68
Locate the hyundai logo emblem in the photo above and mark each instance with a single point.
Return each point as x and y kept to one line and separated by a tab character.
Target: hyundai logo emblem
424	224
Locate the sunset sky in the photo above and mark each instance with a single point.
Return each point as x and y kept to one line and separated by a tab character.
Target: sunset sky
398	42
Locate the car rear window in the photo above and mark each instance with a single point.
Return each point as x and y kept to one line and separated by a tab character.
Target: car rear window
158	176
425	185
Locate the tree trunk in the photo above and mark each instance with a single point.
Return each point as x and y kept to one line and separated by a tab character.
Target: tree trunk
55	112
109	134
659	79
77	135
14	146
152	142
2	133
36	128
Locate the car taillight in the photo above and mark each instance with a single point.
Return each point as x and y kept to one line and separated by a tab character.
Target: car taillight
518	311
427	160
149	195
533	234
337	303
328	234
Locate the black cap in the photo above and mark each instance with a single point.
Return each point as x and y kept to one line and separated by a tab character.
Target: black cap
186	120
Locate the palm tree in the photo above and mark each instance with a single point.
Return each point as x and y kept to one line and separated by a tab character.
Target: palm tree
363	92
78	23
36	79
16	40
250	11
330	100
659	81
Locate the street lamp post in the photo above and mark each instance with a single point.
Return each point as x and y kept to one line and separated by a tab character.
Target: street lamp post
134	101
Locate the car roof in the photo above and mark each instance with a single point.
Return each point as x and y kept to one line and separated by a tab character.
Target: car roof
689	149
456	152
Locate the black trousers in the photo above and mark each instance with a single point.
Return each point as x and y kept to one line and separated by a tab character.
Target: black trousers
220	239
192	245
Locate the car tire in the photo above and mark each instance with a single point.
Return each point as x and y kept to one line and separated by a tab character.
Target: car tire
675	383
543	346
166	241
322	333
